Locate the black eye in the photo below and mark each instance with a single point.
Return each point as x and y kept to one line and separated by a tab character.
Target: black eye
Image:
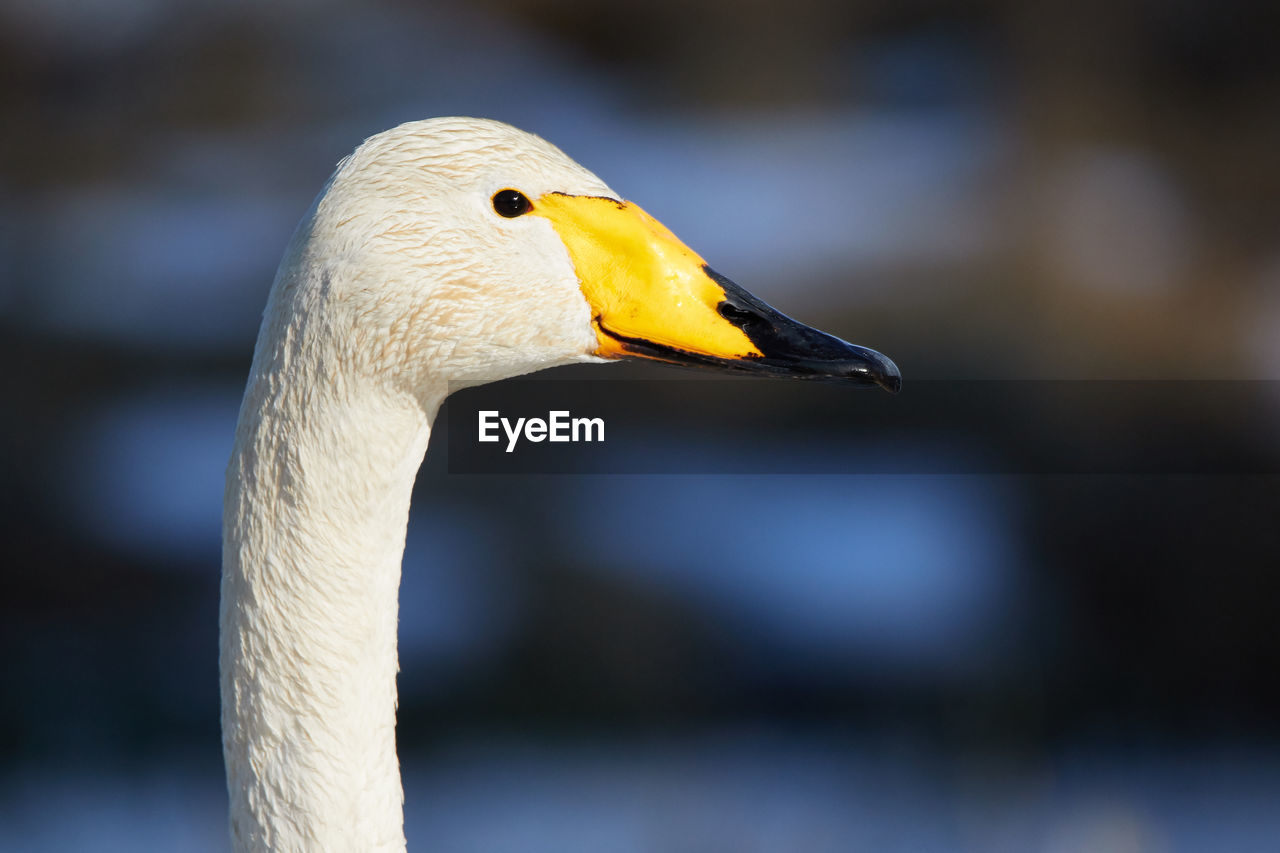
511	203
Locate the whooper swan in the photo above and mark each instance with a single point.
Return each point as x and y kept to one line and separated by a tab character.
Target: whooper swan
450	250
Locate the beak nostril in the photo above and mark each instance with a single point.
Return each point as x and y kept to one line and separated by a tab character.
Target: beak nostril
740	317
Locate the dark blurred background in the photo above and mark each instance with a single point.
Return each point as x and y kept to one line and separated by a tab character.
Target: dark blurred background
925	662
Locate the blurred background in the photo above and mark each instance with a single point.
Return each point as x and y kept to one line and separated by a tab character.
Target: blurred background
981	190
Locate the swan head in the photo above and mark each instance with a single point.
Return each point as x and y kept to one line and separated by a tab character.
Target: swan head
463	251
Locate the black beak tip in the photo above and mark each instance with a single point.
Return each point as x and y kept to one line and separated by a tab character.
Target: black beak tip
790	348
892	384
876	369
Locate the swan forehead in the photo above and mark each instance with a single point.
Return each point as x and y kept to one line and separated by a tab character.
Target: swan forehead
468	153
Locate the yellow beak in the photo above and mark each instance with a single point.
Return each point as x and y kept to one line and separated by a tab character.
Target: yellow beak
652	296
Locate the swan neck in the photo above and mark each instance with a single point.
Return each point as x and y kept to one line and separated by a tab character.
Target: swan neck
315	513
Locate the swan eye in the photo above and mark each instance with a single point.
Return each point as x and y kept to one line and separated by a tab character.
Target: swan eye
511	203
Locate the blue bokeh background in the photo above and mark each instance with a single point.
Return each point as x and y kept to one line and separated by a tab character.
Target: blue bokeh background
981	190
